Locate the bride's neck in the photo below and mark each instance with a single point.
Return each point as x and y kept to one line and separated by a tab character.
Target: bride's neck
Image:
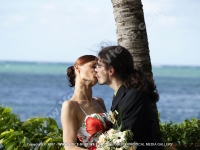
82	92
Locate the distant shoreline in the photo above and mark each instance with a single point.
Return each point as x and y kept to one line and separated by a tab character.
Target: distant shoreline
64	63
33	62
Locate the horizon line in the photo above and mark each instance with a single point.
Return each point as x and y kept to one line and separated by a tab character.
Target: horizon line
56	62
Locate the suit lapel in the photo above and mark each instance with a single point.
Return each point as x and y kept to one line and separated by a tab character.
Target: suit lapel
118	97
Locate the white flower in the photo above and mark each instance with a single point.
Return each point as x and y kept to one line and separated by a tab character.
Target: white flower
124	134
114	139
119	148
111	131
114	136
111	134
119	138
102	139
104	148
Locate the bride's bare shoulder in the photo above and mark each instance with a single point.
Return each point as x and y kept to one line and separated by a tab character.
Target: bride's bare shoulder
101	102
69	104
99	99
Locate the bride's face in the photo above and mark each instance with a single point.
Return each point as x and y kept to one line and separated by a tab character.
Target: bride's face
88	74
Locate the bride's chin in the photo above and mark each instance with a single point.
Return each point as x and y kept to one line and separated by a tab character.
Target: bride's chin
91	82
94	82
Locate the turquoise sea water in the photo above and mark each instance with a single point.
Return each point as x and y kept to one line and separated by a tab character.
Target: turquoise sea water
38	89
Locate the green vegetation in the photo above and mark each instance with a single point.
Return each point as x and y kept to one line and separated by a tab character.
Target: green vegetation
35	133
44	134
184	136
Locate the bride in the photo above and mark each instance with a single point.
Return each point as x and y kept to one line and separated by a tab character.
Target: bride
83	116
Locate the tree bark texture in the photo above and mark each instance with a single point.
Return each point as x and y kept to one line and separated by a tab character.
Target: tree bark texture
131	31
131	34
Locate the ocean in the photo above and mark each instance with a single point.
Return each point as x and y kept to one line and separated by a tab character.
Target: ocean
34	89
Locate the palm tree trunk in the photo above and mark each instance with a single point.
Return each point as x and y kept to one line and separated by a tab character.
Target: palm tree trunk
131	34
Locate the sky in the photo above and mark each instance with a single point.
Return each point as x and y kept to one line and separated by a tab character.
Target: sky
63	30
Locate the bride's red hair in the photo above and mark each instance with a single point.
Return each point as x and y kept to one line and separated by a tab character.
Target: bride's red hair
80	61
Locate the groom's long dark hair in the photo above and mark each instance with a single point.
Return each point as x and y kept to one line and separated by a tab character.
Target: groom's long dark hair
121	60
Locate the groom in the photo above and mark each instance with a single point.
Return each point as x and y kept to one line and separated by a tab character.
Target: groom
133	93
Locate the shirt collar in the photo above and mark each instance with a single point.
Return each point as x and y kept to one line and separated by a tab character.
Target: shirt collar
115	92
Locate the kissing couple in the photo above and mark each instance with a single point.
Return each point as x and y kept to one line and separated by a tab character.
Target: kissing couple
84	117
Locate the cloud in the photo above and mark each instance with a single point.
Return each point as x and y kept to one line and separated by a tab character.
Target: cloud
12	19
152	8
73	27
50	6
155	6
168	21
91	9
6	23
18	17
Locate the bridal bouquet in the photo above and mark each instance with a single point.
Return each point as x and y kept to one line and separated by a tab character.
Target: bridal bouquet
114	139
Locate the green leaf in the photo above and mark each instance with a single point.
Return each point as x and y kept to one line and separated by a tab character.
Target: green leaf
10	145
1	141
26	123
24	140
52	121
7	110
183	135
184	141
15	134
6	132
49	139
183	124
169	139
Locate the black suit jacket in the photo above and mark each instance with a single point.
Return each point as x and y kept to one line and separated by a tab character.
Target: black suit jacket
137	115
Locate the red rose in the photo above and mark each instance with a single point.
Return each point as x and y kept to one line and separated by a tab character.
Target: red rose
93	125
92	148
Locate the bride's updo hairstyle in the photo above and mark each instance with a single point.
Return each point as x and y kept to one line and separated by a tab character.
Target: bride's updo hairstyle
80	61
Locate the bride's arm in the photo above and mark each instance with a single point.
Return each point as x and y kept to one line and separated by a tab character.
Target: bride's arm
69	124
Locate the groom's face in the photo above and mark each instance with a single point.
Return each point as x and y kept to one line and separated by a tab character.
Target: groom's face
101	73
